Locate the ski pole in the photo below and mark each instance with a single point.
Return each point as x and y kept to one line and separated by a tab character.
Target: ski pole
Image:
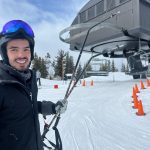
68	92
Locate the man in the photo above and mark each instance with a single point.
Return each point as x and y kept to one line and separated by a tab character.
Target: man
19	124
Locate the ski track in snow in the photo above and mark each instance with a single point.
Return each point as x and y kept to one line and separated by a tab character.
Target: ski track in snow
101	117
75	141
89	135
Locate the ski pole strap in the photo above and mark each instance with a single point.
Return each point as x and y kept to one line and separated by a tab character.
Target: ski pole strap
46	145
46	129
58	139
57	135
58	145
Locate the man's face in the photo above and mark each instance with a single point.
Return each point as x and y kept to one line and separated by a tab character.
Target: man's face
19	54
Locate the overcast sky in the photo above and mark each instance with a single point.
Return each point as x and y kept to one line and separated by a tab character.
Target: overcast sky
47	18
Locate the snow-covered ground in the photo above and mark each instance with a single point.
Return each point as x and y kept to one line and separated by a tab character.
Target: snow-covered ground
101	117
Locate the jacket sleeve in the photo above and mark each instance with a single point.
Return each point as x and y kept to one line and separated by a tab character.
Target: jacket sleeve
46	107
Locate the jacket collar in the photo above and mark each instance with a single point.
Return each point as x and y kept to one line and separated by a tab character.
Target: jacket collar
9	73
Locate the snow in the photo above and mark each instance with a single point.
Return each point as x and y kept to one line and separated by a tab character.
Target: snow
100	117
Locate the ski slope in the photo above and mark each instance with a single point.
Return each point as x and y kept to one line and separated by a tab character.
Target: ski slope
101	117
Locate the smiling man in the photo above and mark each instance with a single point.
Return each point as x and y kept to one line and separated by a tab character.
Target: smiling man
18	52
19	108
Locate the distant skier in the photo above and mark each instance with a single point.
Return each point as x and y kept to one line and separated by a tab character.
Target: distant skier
19	108
38	77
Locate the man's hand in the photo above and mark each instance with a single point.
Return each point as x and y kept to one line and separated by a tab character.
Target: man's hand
61	106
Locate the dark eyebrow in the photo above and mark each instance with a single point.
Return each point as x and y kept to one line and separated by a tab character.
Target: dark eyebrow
27	47
12	47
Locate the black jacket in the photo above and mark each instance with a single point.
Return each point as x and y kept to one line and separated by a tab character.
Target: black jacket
19	124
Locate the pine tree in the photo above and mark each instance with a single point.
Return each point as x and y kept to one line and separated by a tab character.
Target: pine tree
101	67
36	63
109	66
123	68
40	64
79	70
89	68
69	64
104	67
113	68
58	65
43	69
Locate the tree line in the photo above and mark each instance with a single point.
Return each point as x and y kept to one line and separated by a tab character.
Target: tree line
64	64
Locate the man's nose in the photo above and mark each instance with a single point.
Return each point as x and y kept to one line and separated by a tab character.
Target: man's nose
21	53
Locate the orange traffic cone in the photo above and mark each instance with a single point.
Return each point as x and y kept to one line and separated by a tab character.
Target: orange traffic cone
142	85
134	97
140	109
137	89
83	83
135	101
92	83
134	92
148	82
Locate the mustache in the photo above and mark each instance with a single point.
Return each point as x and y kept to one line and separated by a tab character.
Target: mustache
21	58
